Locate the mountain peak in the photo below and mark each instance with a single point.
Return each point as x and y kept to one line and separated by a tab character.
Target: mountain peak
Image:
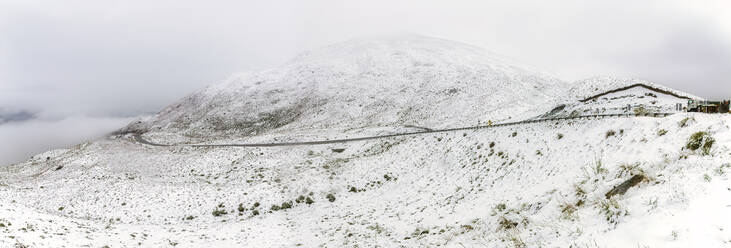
372	84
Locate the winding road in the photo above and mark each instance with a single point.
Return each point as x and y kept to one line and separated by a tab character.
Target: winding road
138	136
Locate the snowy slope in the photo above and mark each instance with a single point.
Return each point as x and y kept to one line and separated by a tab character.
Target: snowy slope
370	86
633	100
532	185
447	189
597	85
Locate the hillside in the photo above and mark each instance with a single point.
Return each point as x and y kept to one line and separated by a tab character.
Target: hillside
608	95
596	85
367	86
530	185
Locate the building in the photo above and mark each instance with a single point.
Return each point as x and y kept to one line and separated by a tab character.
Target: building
708	106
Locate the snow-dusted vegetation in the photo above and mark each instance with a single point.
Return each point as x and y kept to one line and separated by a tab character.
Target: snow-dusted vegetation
612	182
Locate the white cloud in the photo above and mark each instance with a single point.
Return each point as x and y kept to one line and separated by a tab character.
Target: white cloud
21	140
120	55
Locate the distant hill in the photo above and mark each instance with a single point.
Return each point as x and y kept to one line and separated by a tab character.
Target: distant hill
7	115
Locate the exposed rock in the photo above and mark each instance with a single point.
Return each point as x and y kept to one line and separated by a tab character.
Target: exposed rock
623	187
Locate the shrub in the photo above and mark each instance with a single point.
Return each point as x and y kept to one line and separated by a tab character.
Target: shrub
640	111
241	207
377	228
684	121
286	205
611	210
256	204
559	136
610	133
500	207
330	197
580	192
309	200
274	207
567	211
255	212
353	189
514	134
701	140
720	171
661	132
506	223
218	212
517	242
492	144
706	177
598	168
300	199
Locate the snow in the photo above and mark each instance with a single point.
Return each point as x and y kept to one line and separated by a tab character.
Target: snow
597	85
637	98
369	86
450	189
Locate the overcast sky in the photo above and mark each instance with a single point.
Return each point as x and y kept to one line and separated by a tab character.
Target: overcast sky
121	58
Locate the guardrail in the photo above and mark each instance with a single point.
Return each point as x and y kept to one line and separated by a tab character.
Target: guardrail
138	136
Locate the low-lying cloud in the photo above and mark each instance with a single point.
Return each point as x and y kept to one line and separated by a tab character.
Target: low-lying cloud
22	139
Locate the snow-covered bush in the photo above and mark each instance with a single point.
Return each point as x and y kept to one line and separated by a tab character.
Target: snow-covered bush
568	211
702	140
220	210
505	223
612	210
685	121
641	111
661	132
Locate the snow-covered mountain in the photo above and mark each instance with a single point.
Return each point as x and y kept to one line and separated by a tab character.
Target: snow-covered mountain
546	184
364	86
